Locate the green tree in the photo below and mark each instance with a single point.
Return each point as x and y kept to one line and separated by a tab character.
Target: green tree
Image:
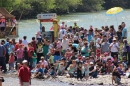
116	3
90	5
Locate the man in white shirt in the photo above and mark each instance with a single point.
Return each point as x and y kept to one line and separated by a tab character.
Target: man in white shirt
24	42
65	43
114	48
62	33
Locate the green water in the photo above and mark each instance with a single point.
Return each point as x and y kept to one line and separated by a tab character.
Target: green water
96	19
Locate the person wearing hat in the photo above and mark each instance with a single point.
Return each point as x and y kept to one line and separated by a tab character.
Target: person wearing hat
114	48
24	74
93	70
44	62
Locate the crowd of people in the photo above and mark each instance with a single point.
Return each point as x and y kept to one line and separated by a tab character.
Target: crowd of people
76	53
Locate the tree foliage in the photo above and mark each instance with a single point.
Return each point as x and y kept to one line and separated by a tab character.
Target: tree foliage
31	8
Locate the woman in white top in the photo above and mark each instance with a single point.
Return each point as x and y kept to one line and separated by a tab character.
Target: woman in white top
114	48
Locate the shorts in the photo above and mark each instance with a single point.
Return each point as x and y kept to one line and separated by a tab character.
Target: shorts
26	84
2	29
11	65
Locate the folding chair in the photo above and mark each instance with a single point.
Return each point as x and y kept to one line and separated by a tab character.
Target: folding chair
53	76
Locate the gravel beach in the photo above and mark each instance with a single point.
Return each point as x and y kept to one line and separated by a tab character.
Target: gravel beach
12	80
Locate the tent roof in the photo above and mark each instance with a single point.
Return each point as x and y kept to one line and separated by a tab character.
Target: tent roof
5	13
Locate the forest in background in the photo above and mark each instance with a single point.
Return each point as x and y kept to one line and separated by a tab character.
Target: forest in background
30	8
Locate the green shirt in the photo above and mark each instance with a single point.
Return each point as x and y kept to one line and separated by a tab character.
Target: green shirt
51	59
45	49
34	57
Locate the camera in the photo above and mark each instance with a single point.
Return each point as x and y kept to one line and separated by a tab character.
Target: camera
2	79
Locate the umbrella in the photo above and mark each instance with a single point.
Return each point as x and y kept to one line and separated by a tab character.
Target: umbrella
114	11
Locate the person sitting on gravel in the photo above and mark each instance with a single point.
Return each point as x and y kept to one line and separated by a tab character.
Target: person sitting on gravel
71	70
61	69
39	72
93	70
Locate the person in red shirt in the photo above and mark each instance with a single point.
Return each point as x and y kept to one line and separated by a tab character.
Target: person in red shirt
30	48
33	42
11	61
19	43
98	52
24	74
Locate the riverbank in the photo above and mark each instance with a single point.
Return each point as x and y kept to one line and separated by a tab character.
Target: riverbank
105	80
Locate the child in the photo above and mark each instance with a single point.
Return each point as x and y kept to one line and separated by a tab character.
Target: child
86	70
34	58
11	61
25	54
98	52
51	59
109	65
71	70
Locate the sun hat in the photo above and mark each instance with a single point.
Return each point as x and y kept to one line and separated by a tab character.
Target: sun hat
24	61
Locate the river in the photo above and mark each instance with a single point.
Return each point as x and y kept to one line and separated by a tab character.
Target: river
96	19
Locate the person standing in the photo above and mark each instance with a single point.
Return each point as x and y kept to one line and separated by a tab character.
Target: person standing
19	43
19	54
105	45
65	43
39	51
30	48
124	30
6	45
24	42
62	33
2	58
62	25
114	48
24	74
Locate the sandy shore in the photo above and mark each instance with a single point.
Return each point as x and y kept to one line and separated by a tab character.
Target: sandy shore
12	80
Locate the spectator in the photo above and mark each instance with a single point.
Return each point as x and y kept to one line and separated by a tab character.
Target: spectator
24	42
24	74
2	58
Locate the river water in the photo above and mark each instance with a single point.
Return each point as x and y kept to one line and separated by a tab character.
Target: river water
96	19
